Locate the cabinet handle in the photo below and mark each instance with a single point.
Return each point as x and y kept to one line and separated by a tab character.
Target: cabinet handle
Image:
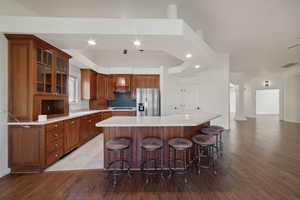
56	155
56	135
90	121
56	145
72	122
56	125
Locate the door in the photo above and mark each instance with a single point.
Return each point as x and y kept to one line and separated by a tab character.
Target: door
267	102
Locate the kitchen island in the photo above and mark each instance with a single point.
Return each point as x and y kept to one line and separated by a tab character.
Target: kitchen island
165	127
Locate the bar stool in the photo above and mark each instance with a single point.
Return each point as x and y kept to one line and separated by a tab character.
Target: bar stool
180	145
119	145
152	152
205	144
213	132
221	130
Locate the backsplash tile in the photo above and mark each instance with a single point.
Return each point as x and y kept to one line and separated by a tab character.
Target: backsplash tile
123	99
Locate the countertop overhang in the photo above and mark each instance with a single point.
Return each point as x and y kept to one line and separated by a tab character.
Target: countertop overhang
189	119
72	115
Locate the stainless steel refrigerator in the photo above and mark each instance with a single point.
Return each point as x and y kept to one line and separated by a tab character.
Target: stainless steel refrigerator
148	101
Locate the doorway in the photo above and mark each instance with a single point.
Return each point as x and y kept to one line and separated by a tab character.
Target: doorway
232	100
267	102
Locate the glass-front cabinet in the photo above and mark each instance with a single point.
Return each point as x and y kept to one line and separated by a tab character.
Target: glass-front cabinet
52	73
44	71
61	76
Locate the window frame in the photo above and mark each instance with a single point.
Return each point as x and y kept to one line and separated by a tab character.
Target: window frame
75	98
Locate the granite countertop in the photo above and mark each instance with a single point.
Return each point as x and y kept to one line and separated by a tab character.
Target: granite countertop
191	119
71	115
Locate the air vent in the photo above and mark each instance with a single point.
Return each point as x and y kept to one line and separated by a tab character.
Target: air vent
289	65
125	51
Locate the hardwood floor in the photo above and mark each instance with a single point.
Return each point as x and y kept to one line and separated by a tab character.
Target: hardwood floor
261	161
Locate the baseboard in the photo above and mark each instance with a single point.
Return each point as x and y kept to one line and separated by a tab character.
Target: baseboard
240	118
291	121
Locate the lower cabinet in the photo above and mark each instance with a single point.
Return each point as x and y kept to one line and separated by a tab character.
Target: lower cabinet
71	136
54	142
34	148
124	113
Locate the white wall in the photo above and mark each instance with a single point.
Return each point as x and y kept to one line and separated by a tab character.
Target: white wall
257	83
3	107
81	104
267	102
292	99
208	90
232	99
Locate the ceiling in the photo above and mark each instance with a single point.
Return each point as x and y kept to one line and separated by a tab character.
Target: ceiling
133	58
256	33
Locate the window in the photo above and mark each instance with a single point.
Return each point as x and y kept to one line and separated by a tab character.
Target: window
73	89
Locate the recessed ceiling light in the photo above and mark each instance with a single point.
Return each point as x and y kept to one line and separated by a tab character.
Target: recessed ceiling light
92	42
197	66
188	55
137	43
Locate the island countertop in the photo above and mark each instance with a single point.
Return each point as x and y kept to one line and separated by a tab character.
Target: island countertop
189	119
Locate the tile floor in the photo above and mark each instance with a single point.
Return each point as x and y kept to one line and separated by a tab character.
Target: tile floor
88	156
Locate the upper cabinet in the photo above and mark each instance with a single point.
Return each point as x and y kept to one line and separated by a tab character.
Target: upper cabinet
109	86
44	82
36	68
121	82
105	87
88	84
144	81
61	75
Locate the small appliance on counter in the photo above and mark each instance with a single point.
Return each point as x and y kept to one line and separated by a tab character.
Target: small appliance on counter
148	102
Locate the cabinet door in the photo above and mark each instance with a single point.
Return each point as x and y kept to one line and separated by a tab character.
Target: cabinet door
84	130
61	75
25	150
93	85
101	86
144	81
44	78
109	88
98	118
88	84
122	82
71	139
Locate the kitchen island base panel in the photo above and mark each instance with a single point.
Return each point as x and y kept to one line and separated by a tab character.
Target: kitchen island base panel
138	133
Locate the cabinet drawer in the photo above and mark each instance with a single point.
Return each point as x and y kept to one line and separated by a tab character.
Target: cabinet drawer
54	156
55	145
54	126
54	134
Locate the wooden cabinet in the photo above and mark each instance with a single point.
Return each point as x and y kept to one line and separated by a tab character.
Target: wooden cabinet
34	66
71	139
54	142
101	86
34	148
88	84
124	113
26	148
144	81
88	127
109	85
61	75
121	82
106	115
